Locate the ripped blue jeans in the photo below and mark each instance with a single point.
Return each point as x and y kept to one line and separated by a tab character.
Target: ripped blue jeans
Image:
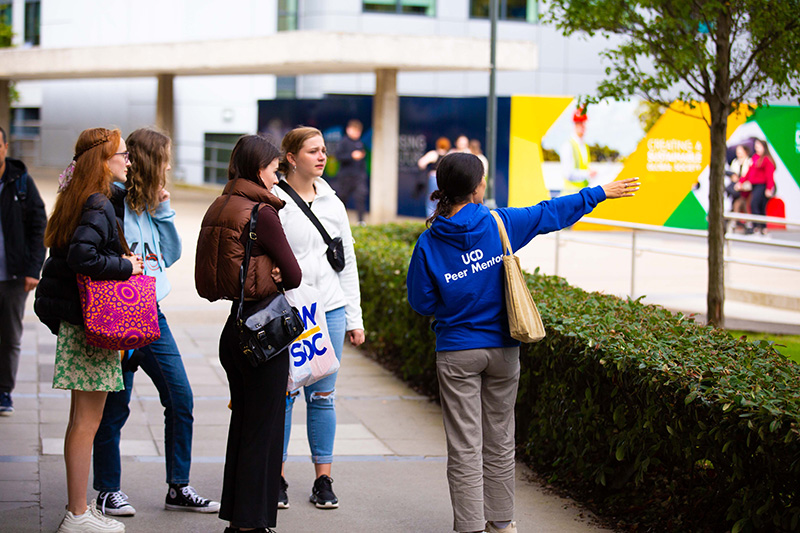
320	410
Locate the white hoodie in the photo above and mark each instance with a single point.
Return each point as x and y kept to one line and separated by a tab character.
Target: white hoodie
338	288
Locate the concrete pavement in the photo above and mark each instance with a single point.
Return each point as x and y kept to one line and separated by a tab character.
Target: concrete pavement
390	464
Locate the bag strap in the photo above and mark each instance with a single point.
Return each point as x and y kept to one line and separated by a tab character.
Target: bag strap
283	184
503	235
248	247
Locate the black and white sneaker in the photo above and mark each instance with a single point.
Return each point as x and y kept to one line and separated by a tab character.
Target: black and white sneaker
114	504
322	493
6	404
185	498
283	497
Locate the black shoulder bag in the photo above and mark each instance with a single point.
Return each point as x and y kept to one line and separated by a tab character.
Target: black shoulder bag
335	251
270	326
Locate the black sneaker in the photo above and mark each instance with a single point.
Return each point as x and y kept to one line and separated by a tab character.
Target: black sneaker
322	493
186	499
283	497
114	504
6	404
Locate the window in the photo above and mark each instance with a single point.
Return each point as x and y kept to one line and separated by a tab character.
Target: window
217	150
407	7
6	34
33	22
25	123
287	15
286	87
520	10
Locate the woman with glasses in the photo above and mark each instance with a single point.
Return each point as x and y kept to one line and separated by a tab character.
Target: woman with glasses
83	238
150	231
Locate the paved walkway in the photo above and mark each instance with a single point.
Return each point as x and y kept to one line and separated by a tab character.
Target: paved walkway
390	466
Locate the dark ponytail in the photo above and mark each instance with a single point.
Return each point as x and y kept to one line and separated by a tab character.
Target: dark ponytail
457	176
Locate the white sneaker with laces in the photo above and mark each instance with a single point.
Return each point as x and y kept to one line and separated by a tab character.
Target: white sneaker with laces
115	504
92	521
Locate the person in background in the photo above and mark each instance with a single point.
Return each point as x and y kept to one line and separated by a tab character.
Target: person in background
352	175
258	394
761	176
428	163
574	156
739	197
149	227
22	223
83	238
475	149
461	145
302	164
477	361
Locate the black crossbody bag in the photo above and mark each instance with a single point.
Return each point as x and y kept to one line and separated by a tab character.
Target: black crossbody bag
270	326
335	251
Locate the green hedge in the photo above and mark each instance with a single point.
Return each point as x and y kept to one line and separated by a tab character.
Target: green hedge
636	409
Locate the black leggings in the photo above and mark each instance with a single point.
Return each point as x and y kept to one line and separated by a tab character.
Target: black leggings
758	203
255	437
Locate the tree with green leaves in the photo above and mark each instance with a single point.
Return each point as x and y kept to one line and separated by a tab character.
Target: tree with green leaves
722	53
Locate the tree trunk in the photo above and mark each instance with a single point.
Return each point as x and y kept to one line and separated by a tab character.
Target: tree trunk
719	106
716	222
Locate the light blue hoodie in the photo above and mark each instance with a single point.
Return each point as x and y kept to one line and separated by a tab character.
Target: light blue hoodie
156	239
456	271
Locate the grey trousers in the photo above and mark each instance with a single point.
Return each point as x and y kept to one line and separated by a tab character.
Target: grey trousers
478	390
12	307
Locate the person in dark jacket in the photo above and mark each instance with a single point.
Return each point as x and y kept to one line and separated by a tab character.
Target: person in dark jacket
352	175
258	395
83	238
22	223
456	275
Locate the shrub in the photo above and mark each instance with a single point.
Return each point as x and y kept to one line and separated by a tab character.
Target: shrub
641	410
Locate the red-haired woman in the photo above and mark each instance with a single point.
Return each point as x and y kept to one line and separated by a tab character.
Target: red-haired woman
83	238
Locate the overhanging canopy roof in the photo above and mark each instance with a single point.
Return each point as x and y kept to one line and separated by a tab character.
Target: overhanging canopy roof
284	53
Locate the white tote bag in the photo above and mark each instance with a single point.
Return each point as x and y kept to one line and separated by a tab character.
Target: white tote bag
311	355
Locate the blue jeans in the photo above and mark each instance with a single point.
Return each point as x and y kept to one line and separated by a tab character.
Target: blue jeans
162	362
320	410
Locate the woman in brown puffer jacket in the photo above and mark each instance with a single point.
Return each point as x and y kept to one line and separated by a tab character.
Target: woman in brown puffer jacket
258	395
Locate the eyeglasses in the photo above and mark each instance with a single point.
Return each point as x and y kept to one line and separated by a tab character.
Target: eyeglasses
125	156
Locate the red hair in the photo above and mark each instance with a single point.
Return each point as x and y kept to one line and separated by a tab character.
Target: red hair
93	149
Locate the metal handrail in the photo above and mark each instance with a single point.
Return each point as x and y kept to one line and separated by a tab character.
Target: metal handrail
637	227
760	218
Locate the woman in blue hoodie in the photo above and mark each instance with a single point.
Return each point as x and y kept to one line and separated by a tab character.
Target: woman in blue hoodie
456	275
149	227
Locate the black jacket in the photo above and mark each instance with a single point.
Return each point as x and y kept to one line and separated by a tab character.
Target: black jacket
23	221
344	153
95	250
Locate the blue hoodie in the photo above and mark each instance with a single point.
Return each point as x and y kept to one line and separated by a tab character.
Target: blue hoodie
456	271
156	239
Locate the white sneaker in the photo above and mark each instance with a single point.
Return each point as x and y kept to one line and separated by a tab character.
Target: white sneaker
92	521
510	528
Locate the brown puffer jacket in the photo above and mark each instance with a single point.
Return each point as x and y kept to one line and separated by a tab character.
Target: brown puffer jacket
220	245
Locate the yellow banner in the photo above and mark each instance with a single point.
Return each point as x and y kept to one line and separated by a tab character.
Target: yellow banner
668	162
531	117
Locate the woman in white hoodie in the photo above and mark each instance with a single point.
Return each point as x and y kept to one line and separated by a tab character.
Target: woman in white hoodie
302	163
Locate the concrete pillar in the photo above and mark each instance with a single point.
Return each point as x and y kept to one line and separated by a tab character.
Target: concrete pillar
385	136
5	107
165	105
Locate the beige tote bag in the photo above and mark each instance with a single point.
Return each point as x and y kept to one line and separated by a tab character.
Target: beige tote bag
524	320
